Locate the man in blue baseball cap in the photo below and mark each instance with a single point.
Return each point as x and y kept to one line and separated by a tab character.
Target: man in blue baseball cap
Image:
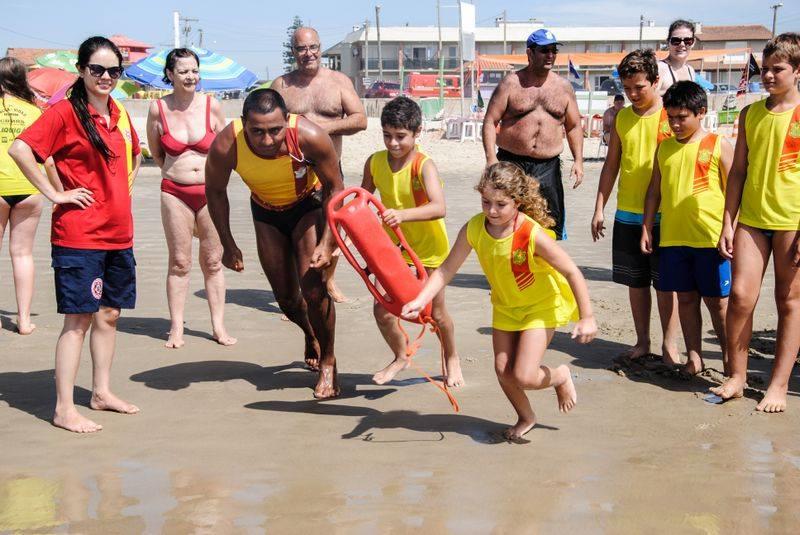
531	106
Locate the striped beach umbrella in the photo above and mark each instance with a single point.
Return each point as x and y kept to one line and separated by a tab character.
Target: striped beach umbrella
217	72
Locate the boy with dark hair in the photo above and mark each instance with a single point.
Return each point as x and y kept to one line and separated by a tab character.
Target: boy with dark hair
410	189
638	129
688	184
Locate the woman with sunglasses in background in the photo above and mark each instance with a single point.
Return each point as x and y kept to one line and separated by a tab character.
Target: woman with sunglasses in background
675	67
20	201
180	129
96	153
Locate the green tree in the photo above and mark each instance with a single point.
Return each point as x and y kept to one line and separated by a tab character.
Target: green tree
288	56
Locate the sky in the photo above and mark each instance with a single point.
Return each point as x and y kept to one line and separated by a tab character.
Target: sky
252	31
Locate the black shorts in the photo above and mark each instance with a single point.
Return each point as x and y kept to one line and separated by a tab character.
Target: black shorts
286	220
87	279
631	266
548	173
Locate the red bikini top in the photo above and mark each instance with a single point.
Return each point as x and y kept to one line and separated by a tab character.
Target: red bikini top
173	147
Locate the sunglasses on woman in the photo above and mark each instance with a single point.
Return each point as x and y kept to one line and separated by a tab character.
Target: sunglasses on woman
98	70
676	41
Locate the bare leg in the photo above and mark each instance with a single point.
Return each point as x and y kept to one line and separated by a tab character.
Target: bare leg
277	260
668	314
751	250
787	299
530	374
692	325
640	308
102	342
443	319
387	324
24	220
505	348
211	265
178	221
68	356
333	289
718	308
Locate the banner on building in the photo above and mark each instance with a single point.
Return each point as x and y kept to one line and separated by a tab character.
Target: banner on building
467	20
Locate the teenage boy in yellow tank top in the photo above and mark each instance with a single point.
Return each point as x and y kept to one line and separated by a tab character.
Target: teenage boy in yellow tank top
637	131
764	190
410	189
688	184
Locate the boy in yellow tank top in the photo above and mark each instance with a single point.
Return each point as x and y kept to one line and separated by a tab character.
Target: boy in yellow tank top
688	184
764	191
637	131
410	189
535	286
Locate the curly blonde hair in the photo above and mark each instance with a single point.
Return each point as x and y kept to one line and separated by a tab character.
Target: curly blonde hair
522	189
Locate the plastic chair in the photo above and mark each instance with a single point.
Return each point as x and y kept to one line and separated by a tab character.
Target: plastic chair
469	131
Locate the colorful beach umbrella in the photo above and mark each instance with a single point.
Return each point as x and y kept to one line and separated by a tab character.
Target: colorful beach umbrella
46	81
217	72
124	89
61	59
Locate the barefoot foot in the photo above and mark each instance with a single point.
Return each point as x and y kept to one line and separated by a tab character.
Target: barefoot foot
175	340
224	339
71	420
518	430
693	367
389	372
774	400
670	355
732	388
328	383
335	293
567	396
636	352
312	354
25	327
454	376
109	402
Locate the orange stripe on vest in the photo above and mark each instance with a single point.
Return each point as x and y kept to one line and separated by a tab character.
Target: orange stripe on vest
519	255
705	153
791	144
417	184
664	130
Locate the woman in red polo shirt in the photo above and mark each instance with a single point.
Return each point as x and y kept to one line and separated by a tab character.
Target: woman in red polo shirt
180	129
96	153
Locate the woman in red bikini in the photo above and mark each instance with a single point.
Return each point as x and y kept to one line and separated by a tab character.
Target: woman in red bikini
180	129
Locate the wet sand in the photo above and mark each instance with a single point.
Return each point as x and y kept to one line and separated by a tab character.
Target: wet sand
229	440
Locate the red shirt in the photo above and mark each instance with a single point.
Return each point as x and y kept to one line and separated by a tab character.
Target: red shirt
108	223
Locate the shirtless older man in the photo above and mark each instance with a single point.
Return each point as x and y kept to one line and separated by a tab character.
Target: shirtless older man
531	106
326	97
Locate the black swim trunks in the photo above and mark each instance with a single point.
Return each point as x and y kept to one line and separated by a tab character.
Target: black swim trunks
548	173
286	220
13	200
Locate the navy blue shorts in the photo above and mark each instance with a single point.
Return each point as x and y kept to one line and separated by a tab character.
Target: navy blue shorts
692	269
87	279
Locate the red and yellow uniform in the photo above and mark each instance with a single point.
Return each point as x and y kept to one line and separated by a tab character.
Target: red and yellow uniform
527	292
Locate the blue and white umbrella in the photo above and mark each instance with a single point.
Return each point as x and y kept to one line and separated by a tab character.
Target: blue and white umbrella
217	72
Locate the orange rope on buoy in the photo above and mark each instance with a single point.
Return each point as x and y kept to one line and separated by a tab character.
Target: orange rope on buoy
413	347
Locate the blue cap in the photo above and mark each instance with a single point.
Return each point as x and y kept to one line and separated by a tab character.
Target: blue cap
542	37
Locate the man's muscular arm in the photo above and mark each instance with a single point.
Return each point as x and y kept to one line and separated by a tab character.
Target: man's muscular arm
494	113
355	118
574	130
220	162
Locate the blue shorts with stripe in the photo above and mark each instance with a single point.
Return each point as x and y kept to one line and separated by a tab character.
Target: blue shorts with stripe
693	269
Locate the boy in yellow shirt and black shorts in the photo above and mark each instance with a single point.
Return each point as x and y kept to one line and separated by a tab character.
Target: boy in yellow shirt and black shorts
764	191
410	189
688	184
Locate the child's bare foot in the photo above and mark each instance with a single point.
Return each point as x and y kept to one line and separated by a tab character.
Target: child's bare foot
175	340
636	352
774	400
693	367
72	420
453	367
312	354
224	339
335	293
25	327
670	355
388	373
328	383
732	388
567	396
519	429
109	402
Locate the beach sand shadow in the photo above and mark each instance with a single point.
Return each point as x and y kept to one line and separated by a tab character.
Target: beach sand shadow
35	393
7	322
157	328
293	375
470	280
593	273
263	300
478	429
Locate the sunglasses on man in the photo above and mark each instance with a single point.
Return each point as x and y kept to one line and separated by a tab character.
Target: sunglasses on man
98	70
676	41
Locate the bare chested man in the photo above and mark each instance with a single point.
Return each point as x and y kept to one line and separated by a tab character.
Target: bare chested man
324	96
531	106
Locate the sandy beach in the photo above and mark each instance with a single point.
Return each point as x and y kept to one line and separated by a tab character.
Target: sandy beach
229	439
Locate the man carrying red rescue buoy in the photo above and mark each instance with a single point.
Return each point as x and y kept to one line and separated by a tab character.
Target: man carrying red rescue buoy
292	169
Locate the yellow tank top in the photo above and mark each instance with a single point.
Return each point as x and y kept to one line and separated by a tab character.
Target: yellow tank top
276	183
15	116
427	238
692	192
536	298
771	194
640	135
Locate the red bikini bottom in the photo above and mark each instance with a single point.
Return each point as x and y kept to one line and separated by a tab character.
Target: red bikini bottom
192	195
